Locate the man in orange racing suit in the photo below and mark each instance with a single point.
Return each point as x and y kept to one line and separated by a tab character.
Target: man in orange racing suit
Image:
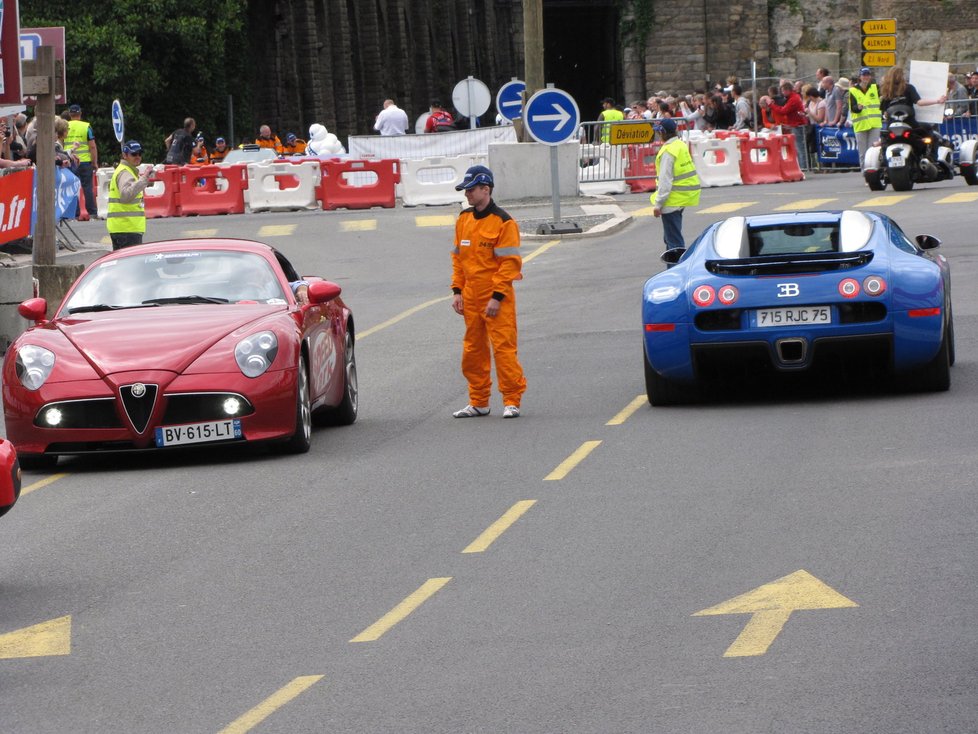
485	262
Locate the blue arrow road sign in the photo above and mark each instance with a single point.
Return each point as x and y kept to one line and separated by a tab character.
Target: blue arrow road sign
118	121
509	99
551	116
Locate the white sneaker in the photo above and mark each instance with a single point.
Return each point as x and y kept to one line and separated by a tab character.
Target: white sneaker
471	411
511	411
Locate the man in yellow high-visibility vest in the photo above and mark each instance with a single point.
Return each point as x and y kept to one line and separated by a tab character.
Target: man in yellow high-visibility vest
864	112
126	220
80	140
677	184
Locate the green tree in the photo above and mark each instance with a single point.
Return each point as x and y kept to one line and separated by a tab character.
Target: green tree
163	59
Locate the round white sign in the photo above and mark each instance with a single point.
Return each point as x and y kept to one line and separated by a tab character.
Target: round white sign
471	97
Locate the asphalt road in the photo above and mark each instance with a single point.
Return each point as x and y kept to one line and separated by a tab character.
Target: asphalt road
332	592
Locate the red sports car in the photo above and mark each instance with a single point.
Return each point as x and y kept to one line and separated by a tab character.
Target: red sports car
181	343
9	477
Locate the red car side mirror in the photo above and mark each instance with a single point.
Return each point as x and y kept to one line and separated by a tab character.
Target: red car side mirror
34	309
323	291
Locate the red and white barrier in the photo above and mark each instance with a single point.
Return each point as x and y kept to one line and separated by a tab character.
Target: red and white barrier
432	181
282	186
717	161
352	184
206	190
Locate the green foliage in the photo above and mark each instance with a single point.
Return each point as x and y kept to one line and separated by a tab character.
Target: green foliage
637	19
163	59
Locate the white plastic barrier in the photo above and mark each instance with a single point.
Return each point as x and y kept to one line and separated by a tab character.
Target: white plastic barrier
266	193
432	181
603	169
103	177
717	161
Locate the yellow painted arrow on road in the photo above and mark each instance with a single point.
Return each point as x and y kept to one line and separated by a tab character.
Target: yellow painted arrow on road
771	605
47	638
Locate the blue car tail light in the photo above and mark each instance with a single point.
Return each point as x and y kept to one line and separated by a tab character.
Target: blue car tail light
874	285
728	294
703	295
849	288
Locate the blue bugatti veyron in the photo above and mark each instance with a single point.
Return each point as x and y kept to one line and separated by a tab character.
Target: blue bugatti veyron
796	291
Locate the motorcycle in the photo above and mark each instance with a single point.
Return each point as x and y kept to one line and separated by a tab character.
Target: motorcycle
968	161
907	155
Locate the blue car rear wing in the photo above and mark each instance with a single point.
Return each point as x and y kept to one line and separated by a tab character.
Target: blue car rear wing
816	262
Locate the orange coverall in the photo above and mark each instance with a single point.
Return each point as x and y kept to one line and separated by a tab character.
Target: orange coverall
485	262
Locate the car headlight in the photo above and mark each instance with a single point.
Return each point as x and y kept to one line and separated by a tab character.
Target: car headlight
34	365
255	354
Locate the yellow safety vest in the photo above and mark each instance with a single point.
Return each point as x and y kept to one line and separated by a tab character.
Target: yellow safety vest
124	218
611	115
870	117
685	182
78	133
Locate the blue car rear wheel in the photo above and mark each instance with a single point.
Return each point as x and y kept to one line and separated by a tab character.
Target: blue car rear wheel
662	391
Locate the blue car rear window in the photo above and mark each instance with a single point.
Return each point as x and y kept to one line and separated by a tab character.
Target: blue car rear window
793	239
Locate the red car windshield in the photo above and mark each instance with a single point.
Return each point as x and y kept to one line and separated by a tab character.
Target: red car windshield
163	278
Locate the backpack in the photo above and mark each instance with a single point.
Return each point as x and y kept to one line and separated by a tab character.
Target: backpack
180	147
443	121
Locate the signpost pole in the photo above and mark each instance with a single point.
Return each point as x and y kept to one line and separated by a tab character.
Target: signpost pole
555	182
43	247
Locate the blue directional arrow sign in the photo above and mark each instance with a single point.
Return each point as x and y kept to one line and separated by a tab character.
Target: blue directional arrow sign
551	116
118	121
509	99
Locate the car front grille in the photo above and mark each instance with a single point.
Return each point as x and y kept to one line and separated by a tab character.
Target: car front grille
198	407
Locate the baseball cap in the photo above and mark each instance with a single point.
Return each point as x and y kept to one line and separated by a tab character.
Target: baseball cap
474	176
666	125
219	140
132	147
74	108
290	137
865	70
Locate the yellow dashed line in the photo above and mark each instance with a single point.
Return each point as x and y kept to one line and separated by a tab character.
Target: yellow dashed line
958	199
571	461
200	232
395	615
435	220
41	483
540	250
490	534
359	225
270	705
627	411
803	204
731	206
276	230
883	201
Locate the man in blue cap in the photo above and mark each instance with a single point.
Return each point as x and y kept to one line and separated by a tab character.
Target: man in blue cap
80	140
126	220
677	185
485	262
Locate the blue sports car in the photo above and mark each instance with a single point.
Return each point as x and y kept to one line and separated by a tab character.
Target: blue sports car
794	291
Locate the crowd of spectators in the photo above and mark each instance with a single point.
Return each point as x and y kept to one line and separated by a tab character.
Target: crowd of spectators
797	105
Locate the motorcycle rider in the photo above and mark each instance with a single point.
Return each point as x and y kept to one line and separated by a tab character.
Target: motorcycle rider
897	100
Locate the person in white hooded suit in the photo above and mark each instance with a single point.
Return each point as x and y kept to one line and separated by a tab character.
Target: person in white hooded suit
323	142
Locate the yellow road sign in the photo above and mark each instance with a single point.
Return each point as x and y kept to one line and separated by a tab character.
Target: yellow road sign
879	58
877	26
631	133
771	605
879	43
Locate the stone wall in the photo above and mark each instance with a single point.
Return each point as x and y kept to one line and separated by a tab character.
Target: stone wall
928	30
698	42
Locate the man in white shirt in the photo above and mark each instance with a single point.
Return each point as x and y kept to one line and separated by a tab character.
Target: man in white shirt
391	120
